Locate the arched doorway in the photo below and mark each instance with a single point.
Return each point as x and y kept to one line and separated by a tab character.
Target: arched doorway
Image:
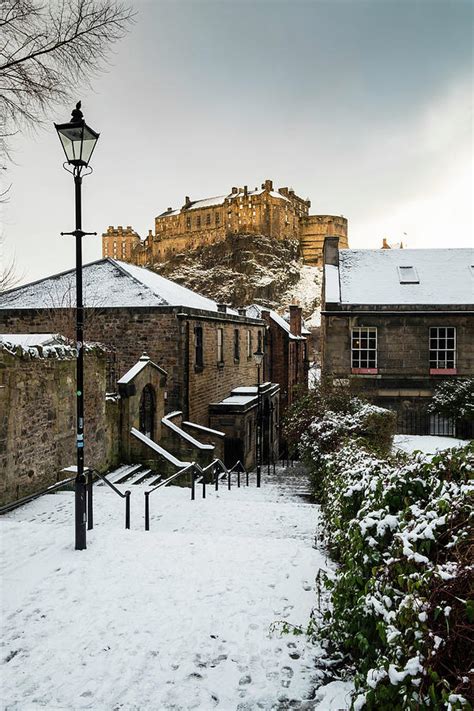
147	411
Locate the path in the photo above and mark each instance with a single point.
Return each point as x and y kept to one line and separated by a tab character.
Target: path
176	618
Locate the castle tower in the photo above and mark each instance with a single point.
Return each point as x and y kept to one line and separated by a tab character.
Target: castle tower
119	243
313	231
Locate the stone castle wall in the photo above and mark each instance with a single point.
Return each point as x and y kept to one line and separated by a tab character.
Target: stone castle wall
280	214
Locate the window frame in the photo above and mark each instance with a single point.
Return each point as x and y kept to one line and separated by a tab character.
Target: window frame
249	344
362	362
198	348
236	345
220	346
436	366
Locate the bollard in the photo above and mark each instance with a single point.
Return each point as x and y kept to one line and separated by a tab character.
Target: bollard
228	479
127	509
147	511
216	475
193	486
238	478
203	486
90	509
246	477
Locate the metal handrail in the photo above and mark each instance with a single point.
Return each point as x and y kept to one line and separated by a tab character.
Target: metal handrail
125	496
198	474
161	484
31	497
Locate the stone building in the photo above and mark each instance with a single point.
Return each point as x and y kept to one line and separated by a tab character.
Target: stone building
277	213
397	322
198	352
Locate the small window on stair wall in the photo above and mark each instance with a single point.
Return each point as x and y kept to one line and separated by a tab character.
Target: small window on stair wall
199	357
147	411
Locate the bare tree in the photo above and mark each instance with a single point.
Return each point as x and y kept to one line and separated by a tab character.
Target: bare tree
48	49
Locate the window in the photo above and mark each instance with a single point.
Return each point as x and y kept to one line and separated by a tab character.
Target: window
188	223
220	345
408	275
364	350
236	344
208	218
260	343
443	349
218	218
198	221
249	343
198	351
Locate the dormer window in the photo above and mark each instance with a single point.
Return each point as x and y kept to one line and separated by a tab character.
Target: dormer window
408	275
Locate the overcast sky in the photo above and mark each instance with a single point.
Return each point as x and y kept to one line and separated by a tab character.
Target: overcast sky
365	107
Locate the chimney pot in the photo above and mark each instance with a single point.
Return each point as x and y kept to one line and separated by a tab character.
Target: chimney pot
295	319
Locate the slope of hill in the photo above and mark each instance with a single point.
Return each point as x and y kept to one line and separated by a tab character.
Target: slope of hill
247	269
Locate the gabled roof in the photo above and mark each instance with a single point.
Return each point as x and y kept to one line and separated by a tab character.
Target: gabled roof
373	276
279	320
107	283
220	200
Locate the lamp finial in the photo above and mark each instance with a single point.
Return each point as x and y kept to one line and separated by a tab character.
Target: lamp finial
76	115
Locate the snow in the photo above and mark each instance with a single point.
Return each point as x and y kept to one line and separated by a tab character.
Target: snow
208	202
370	276
137	368
427	444
179	617
31	340
160	450
201	428
107	283
166	421
332	290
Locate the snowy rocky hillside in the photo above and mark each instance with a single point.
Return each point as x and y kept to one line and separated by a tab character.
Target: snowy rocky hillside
246	269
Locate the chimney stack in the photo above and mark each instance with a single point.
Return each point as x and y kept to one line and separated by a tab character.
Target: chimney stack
295	319
187	201
331	251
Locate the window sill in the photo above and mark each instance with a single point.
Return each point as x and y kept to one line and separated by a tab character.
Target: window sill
364	371
443	371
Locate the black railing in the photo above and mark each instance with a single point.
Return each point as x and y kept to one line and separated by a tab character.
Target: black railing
419	422
198	474
125	495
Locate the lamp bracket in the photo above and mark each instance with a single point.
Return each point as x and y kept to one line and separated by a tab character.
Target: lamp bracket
78	233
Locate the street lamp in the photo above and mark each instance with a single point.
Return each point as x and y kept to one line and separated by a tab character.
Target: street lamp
78	141
258	358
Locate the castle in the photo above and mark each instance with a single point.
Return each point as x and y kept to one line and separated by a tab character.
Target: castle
277	213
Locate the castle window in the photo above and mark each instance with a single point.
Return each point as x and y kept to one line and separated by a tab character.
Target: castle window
198	349
236	344
442	349
188	223
364	350
218	218
220	345
208	218
198	221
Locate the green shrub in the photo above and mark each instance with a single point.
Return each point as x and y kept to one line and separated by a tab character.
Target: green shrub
454	398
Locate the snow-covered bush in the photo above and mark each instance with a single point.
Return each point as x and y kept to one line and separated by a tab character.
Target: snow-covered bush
402	598
454	398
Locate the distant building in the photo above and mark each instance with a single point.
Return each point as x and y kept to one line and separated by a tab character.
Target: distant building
277	213
395	323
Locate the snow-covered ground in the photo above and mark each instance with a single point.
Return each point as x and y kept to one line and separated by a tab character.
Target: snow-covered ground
179	617
427	444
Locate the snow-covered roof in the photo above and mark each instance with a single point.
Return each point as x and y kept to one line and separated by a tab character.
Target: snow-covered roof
220	200
255	311
373	276
137	368
32	340
106	283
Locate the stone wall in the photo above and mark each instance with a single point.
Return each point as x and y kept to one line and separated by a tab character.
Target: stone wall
38	416
167	337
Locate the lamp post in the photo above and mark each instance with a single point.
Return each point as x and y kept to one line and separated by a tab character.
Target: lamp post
78	141
258	358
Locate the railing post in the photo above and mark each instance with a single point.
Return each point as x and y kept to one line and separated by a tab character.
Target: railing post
193	485
228	479
90	508
238	478
203	486
216	475
147	511
246	477
127	509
